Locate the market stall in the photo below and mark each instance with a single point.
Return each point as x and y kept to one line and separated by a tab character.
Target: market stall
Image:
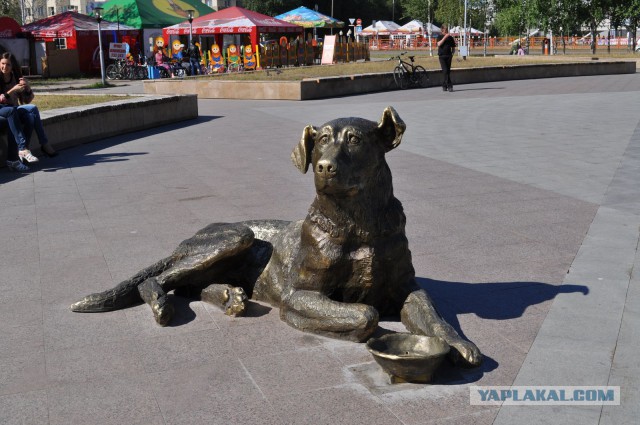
308	18
67	43
233	20
11	41
151	16
380	35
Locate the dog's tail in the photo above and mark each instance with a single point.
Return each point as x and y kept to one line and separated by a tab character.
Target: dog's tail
123	295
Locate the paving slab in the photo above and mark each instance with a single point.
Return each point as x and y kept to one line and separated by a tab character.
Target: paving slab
507	186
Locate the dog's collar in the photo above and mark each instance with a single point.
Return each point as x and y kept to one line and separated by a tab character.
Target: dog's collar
327	225
338	229
390	220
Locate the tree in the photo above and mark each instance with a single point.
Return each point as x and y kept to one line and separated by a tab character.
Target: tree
367	10
593	13
632	12
450	12
12	9
512	17
270	7
421	10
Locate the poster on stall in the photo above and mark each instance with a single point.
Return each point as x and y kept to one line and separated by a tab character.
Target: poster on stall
118	50
328	49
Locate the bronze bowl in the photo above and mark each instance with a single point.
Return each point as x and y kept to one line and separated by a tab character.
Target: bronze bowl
407	357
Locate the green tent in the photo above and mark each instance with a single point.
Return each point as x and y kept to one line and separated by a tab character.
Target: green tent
152	13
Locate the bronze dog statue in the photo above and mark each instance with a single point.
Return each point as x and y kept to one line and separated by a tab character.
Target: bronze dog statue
332	273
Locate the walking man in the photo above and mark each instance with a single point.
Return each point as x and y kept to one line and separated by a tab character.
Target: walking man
446	48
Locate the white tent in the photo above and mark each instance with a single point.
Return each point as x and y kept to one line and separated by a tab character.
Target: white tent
470	31
418	26
381	28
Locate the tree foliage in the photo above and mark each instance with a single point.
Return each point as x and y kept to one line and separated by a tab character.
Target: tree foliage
11	8
631	10
421	10
450	12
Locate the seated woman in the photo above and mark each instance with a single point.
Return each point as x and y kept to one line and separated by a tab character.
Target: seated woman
9	116
161	60
17	92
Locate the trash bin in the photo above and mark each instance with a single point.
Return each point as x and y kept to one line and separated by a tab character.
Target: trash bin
154	73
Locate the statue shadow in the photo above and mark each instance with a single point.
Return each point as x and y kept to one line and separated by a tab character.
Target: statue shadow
185	314
256	310
85	155
492	301
480	89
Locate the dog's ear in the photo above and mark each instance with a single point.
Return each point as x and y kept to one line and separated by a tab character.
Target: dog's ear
301	155
392	128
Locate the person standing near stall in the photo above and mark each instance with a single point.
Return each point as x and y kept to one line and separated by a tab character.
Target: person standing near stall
446	48
194	58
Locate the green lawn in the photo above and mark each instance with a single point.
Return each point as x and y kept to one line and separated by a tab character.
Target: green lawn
56	101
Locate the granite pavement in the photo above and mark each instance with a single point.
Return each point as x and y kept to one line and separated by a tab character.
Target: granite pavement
523	217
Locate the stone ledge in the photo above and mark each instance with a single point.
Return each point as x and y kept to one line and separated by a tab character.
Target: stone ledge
66	127
317	88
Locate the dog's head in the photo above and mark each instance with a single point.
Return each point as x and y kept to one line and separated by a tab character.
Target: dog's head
347	154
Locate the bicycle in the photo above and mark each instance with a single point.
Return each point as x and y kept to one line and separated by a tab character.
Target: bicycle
115	71
123	70
177	69
407	74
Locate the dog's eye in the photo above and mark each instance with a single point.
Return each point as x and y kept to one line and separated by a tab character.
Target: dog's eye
324	139
354	140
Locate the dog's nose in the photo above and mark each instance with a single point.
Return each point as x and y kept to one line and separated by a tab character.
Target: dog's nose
326	168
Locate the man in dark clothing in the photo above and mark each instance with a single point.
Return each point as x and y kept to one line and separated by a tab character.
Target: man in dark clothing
194	58
446	48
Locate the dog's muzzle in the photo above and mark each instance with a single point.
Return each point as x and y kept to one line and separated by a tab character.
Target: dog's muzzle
326	169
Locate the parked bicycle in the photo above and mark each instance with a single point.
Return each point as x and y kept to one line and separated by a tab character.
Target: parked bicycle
177	69
123	70
407	74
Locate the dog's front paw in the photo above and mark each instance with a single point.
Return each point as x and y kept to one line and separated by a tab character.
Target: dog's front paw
466	353
236	303
162	311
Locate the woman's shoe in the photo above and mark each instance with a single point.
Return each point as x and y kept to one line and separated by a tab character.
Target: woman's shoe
26	155
17	166
48	151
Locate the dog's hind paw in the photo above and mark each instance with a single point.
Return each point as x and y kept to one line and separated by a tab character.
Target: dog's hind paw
465	353
231	299
236	303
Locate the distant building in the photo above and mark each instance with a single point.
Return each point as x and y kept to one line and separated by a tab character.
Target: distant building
221	4
34	10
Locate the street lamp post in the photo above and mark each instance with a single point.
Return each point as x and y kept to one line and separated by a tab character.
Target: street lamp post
190	13
465	46
97	11
332	15
315	33
429	29
488	16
